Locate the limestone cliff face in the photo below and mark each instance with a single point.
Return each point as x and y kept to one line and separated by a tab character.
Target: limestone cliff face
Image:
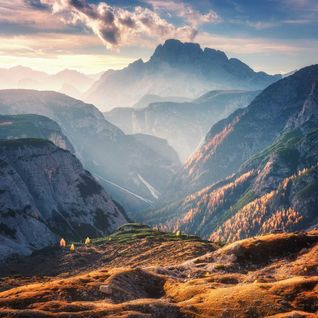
45	193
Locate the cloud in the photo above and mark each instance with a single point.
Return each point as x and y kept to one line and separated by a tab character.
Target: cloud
27	16
36	4
188	13
118	27
249	46
53	53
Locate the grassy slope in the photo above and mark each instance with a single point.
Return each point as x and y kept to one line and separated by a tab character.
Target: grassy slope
152	274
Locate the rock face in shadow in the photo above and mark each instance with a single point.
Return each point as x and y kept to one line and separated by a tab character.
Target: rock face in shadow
44	194
175	69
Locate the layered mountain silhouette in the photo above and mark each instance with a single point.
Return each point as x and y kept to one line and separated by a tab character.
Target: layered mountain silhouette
183	124
67	81
130	170
175	69
256	171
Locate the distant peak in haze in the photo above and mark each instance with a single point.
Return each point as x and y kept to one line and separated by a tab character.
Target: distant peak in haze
175	69
174	51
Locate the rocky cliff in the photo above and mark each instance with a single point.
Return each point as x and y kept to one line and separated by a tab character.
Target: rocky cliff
282	106
44	194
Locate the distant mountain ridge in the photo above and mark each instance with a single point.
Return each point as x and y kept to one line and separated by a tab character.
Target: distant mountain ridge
175	69
183	124
67	81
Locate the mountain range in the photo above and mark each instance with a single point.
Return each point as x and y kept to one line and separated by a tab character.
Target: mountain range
197	199
69	82
133	172
256	171
175	69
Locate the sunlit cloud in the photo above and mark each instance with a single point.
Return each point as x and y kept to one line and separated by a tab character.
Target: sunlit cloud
187	12
118	27
26	14
53	53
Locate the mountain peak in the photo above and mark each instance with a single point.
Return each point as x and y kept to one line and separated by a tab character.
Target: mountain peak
174	51
176	69
215	54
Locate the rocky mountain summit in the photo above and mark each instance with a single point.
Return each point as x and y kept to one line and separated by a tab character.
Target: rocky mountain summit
175	69
44	194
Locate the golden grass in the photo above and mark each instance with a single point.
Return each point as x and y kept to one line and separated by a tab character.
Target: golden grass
258	277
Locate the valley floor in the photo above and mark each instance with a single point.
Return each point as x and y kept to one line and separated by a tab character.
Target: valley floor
140	272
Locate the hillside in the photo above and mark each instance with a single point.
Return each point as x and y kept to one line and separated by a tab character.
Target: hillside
175	69
282	107
183	124
162	275
124	166
276	190
44	194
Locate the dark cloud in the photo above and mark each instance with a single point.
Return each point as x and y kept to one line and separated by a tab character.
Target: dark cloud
37	4
111	35
128	21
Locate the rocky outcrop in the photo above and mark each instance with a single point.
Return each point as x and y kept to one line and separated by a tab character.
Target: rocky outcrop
45	193
175	69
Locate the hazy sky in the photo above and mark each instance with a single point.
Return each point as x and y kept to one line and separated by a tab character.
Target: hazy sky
92	36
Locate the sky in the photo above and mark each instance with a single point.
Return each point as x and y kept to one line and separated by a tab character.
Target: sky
275	36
